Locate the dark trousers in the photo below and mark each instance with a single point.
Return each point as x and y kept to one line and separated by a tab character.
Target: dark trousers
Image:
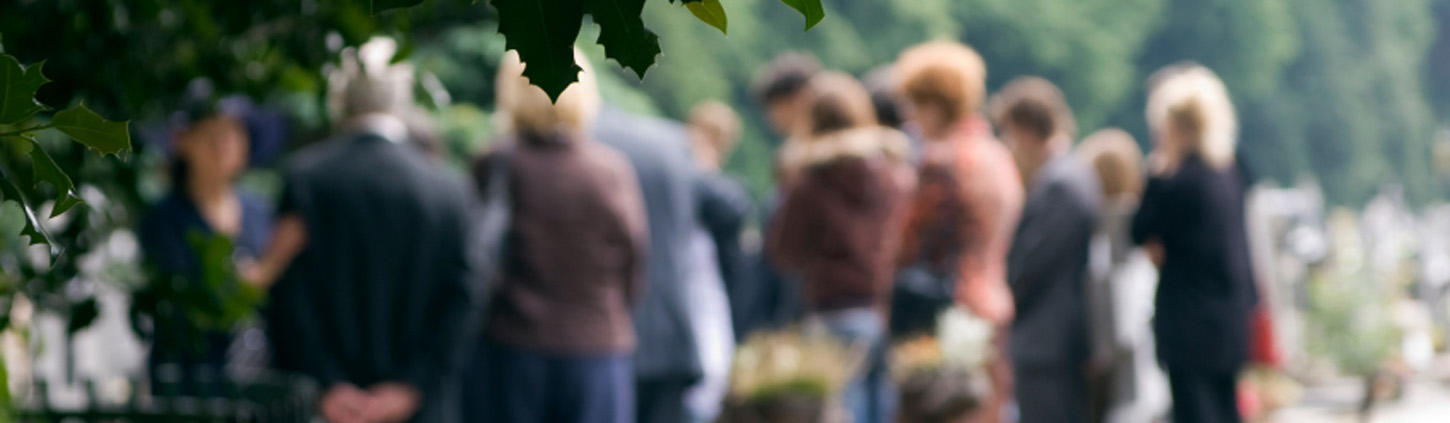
1203	396
661	401
510	385
1051	395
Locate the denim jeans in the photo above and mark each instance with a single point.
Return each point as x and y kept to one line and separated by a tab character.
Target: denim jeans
870	397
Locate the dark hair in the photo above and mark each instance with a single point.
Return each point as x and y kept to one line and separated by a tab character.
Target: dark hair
784	76
839	102
884	96
1034	104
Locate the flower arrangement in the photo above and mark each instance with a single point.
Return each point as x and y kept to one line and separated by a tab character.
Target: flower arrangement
940	377
789	376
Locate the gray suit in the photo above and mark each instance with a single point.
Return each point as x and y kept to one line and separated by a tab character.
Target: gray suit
1047	269
667	360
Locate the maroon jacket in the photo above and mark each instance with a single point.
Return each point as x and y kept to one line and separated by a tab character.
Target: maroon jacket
840	223
575	260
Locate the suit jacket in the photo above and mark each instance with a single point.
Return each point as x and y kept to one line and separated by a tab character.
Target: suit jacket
1047	266
380	292
657	149
1205	287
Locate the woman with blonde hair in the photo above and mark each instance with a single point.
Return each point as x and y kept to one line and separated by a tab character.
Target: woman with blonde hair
559	334
839	227
965	209
1192	222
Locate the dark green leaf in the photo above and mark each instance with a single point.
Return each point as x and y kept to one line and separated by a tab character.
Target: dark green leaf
18	85
46	170
543	32
623	35
710	12
82	314
811	9
380	6
89	128
11	192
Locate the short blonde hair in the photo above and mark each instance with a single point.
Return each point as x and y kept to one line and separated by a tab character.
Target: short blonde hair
1192	101
945	74
526	109
1117	160
718	123
839	102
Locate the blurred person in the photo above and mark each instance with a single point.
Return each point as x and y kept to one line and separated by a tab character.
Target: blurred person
667	356
723	206
210	151
840	226
969	195
559	334
1127	384
1047	267
1192	221
782	88
372	295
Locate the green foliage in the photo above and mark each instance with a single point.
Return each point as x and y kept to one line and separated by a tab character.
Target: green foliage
544	39
811	9
89	128
18	85
710	12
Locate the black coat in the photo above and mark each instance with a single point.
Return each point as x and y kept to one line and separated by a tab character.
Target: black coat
666	347
724	207
1047	267
380	292
1205	287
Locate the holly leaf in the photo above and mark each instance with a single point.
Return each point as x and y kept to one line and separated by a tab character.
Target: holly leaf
623	35
811	9
380	6
31	226
543	32
710	12
18	85
46	170
92	130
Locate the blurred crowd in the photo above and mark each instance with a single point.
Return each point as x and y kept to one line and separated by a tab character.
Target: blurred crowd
597	266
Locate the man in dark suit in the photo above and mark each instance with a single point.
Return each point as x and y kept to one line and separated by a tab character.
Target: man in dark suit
374	301
667	359
1048	262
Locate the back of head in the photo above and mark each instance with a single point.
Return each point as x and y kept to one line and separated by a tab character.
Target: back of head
944	74
784	77
839	102
718	123
1190	101
527	111
1036	105
881	84
369	83
1117	160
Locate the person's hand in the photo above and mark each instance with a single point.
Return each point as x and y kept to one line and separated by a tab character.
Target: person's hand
391	402
988	302
344	403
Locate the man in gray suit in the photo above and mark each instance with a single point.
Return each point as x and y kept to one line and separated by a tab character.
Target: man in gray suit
667	360
1048	262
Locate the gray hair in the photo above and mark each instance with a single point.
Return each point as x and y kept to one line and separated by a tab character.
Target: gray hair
369	83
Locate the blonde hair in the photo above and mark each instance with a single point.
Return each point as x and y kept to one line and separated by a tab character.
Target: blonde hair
945	74
1191	101
839	102
718	123
525	109
1117	160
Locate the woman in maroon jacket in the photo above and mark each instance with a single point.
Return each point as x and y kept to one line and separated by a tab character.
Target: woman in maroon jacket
559	335
840	226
